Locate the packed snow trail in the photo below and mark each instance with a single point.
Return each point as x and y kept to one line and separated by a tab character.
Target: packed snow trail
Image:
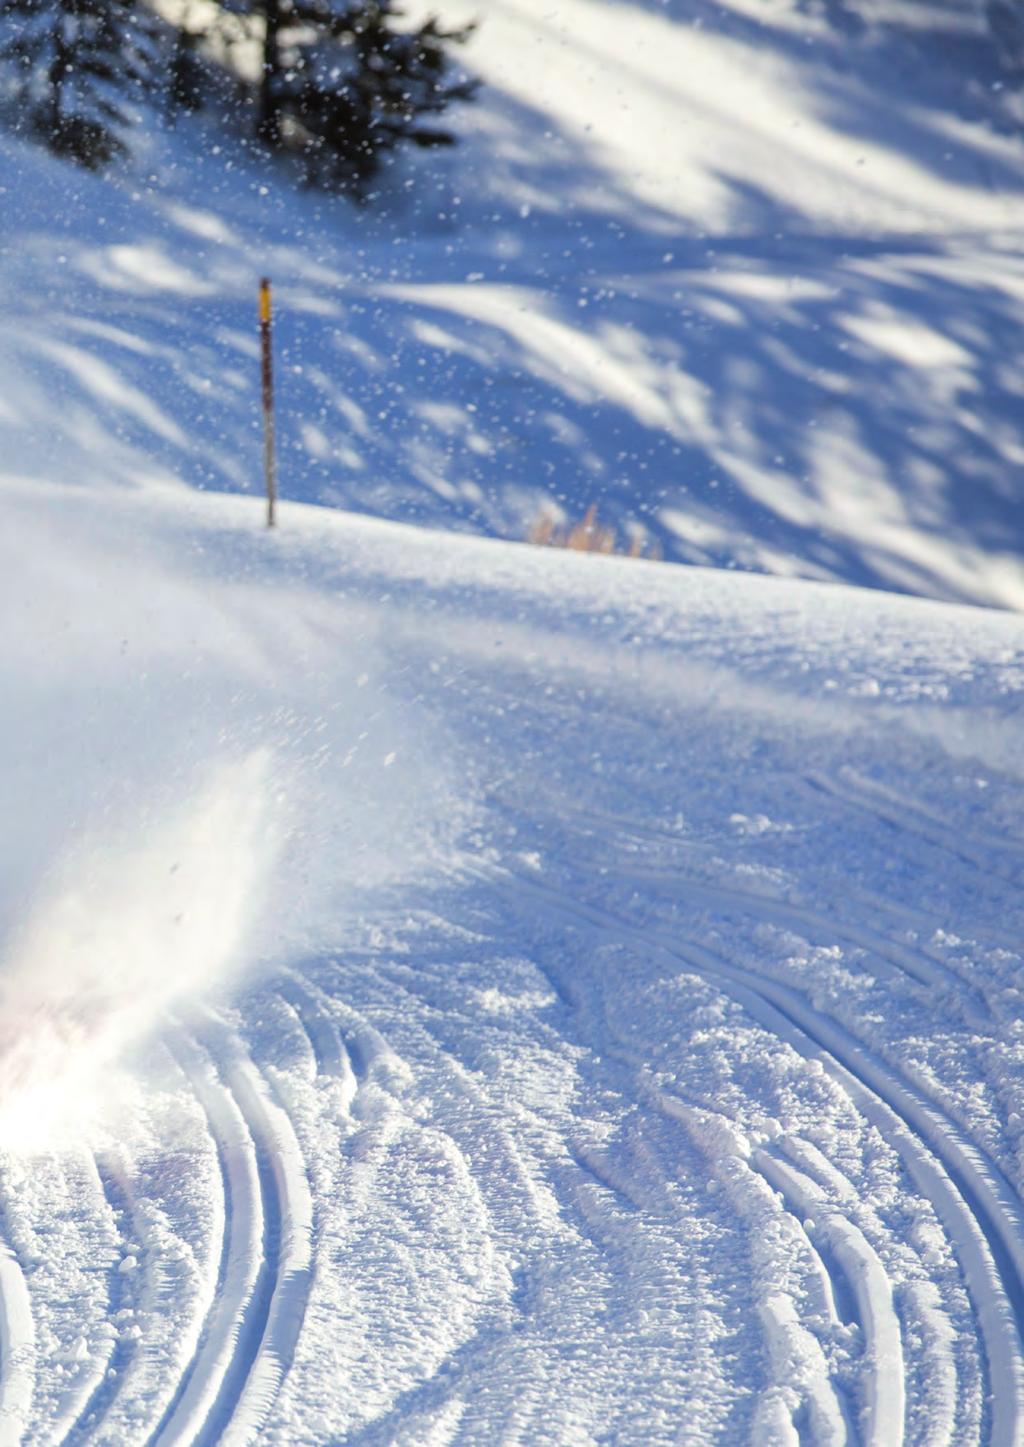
452	992
614	1029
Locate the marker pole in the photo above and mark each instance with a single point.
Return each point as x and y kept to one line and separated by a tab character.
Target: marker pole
269	462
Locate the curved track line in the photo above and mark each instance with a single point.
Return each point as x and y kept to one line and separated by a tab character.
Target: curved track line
803	1395
217	1340
278	1147
837	1239
17	1351
970	1195
798	1365
910	918
122	1350
620	824
908	817
249	1336
861	787
918	962
926	970
309	1002
883	1341
978	1207
836	1304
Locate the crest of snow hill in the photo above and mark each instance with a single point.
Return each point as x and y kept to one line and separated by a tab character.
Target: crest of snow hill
339	83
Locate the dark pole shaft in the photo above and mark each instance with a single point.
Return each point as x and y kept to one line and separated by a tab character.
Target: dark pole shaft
269	462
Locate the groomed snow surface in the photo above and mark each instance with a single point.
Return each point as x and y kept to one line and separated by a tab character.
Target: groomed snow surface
636	1051
456	992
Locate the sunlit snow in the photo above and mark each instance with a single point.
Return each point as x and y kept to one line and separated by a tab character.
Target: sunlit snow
462	992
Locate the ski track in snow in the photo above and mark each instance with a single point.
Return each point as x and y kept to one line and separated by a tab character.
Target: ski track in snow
235	1352
430	1180
850	1268
978	1207
17	1350
908	815
893	956
925	970
470	1095
256	1306
110	1370
87	1402
328	1052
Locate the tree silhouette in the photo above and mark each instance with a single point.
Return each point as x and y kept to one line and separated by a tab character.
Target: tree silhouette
73	62
344	84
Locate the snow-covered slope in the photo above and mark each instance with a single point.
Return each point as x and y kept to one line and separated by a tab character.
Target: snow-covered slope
461	992
746	277
454	992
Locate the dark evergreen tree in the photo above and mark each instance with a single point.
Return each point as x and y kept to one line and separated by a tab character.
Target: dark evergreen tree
344	84
72	62
186	77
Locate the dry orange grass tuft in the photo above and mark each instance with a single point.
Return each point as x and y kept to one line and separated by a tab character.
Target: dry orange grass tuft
587	536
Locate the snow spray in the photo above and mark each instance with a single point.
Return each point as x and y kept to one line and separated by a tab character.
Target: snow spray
128	926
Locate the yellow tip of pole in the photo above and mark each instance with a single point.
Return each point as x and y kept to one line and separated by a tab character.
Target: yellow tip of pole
264	299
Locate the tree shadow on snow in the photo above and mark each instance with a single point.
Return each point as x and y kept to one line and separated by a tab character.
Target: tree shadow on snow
773	397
